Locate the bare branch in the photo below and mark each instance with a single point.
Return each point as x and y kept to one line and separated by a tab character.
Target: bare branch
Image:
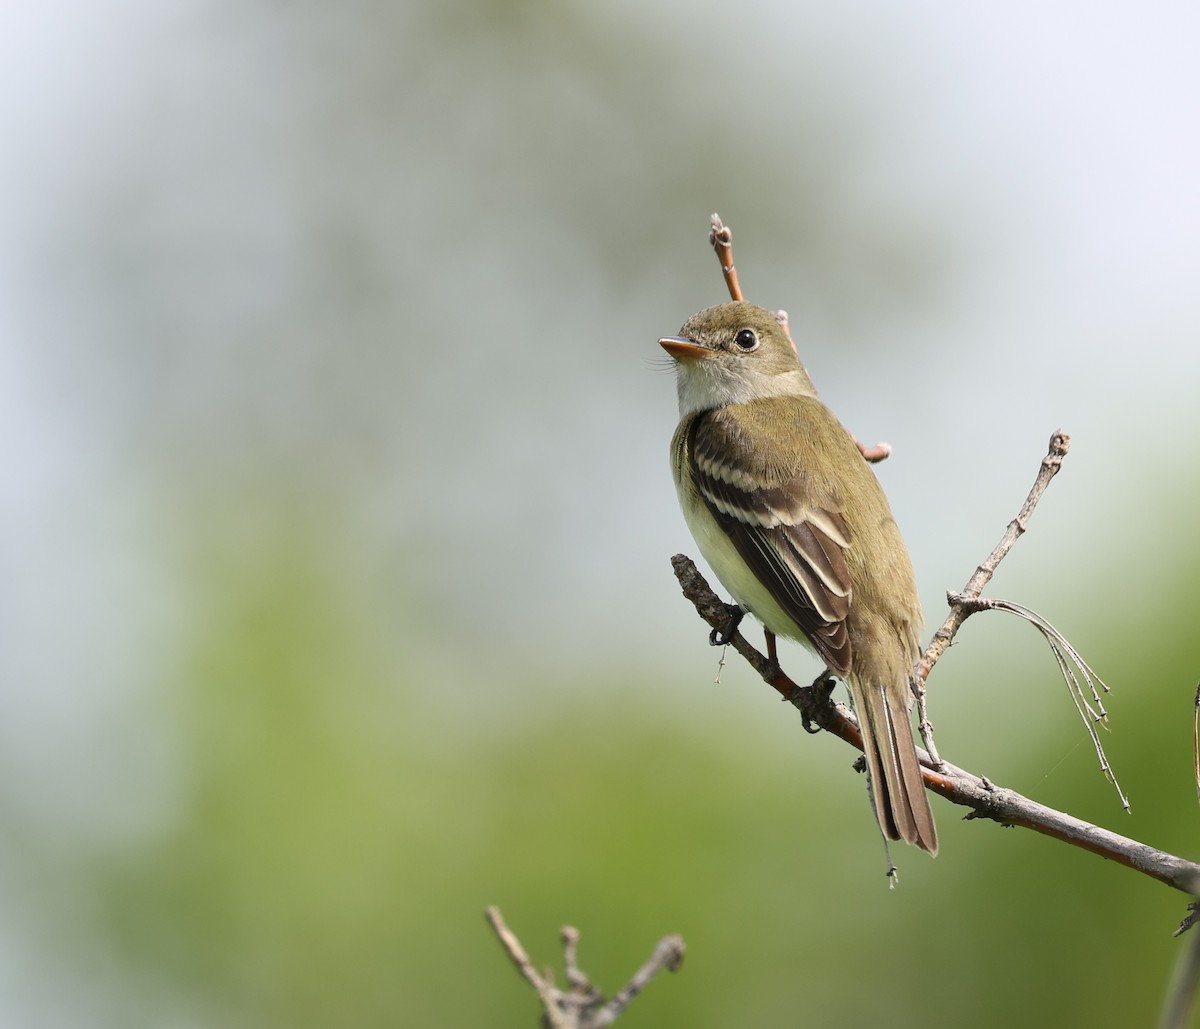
712	609
962	604
668	954
570	941
721	238
875	454
985	799
583	1005
781	316
960	609
544	987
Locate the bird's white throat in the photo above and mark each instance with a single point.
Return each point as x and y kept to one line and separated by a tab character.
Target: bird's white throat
706	384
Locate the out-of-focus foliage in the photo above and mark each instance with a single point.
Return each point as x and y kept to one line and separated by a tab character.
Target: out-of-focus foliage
336	599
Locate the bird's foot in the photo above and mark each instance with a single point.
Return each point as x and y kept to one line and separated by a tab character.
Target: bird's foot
724	637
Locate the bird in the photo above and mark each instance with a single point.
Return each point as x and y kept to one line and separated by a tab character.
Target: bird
793	522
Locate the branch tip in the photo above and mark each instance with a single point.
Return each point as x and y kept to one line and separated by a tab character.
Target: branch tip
963	604
720	237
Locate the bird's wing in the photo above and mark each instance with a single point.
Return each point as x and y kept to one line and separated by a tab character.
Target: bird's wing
794	544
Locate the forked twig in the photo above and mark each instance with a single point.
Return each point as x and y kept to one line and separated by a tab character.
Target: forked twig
1060	443
961	603
582	1006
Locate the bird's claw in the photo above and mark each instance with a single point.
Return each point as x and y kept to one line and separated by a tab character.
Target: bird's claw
724	637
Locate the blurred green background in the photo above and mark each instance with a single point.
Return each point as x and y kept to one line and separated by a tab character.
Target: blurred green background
337	517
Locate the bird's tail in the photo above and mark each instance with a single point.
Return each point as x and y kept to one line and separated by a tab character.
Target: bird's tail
901	803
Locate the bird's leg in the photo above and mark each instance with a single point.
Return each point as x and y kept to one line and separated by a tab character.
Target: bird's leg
725	636
772	670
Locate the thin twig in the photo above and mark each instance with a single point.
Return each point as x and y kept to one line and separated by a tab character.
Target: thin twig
955	784
583	1005
781	316
1060	443
570	942
961	603
875	454
547	993
668	954
1075	671
721	238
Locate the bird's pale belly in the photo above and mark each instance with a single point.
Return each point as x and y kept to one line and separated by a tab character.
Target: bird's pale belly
735	575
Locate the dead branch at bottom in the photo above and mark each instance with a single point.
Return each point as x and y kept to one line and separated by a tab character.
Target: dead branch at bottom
583	1005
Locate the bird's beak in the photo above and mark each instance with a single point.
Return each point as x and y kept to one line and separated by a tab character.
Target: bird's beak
684	349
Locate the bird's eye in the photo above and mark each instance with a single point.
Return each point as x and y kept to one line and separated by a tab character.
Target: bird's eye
746	340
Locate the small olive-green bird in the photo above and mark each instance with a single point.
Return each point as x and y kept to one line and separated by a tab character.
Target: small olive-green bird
794	523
